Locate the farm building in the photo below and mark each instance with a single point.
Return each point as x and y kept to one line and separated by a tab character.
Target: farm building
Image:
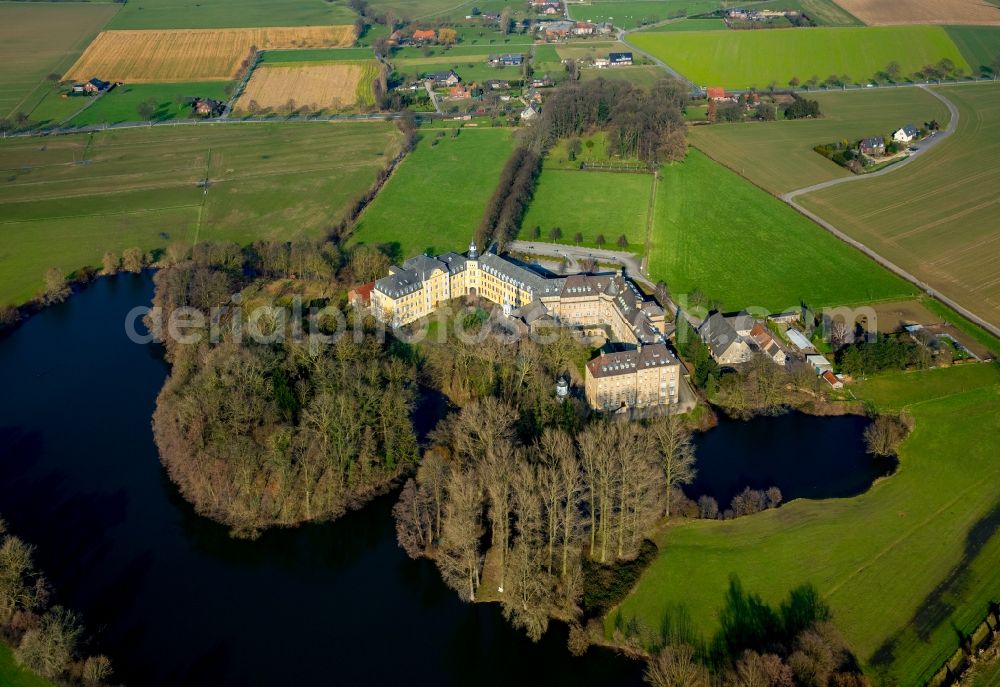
905	134
819	363
583	28
92	87
530	112
601	63
798	339
497	85
458	92
832	380
620	59
873	145
507	60
424	35
786	317
558	29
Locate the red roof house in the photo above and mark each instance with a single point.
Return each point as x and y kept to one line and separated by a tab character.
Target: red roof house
361	296
424	35
717	93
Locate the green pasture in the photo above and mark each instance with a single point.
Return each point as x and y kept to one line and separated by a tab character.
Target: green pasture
741	59
122	103
717	232
979	45
316	55
590	203
435	199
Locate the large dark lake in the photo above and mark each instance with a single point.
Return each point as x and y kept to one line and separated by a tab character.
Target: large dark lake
173	600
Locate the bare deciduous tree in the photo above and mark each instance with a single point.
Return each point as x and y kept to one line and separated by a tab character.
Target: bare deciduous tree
673	438
675	666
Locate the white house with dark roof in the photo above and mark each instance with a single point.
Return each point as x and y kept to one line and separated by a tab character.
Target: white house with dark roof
725	344
905	134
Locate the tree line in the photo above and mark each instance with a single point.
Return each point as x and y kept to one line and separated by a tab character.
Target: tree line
46	638
506	207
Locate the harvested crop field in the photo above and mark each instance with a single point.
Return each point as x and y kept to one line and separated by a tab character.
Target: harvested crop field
887	12
192	54
318	86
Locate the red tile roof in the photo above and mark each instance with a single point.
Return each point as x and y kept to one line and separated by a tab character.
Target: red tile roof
716	92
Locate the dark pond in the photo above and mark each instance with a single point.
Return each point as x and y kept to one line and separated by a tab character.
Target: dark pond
805	456
168	595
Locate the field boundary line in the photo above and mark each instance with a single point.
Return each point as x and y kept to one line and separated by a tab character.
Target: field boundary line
650	211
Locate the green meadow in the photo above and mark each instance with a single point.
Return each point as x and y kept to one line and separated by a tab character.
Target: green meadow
741	59
217	14
590	203
630	14
905	567
714	231
69	199
434	200
13	675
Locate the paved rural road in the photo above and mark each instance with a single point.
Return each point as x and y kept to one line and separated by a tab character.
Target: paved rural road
576	253
889	265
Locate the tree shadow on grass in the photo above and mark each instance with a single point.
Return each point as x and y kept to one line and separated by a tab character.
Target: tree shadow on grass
938	605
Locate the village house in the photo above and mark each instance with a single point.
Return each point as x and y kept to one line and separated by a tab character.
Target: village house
601	63
546	6
207	107
620	59
497	85
541	83
530	112
646	373
873	145
766	344
507	60
905	134
443	79
583	28
787	317
725	344
424	35
457	92
718	94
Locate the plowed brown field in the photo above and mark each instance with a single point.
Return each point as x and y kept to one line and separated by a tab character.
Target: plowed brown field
886	12
192	54
320	86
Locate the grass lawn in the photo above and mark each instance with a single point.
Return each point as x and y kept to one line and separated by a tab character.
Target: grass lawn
217	14
823	12
38	39
140	187
979	45
936	217
590	203
121	104
470	69
740	59
717	232
435	199
13	675
316	55
779	156
904	566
